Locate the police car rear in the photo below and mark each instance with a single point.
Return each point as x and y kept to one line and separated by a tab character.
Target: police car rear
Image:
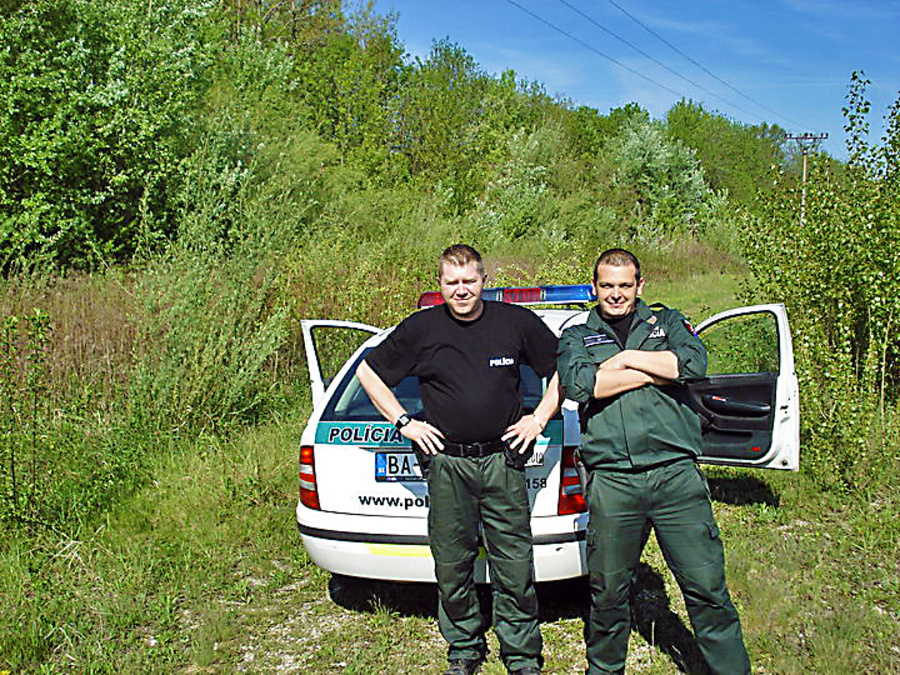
363	500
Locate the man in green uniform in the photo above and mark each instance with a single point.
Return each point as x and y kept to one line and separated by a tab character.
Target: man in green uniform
626	368
475	439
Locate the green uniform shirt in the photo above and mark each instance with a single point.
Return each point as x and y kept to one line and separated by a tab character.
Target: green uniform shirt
645	426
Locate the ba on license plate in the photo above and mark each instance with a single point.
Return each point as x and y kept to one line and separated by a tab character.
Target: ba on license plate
397	466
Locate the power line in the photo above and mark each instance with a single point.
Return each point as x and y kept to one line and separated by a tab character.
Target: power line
657	62
641	75
593	49
701	67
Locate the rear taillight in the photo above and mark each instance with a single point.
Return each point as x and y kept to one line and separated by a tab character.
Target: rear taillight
309	493
571	495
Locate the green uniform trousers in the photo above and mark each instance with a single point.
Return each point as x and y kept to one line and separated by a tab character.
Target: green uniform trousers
674	499
464	492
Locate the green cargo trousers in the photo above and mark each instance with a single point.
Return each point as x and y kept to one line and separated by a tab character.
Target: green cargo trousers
674	499
464	492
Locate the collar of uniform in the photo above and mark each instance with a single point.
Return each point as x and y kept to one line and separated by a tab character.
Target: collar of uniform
641	327
641	310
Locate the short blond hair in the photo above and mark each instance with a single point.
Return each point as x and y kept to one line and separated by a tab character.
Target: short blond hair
460	255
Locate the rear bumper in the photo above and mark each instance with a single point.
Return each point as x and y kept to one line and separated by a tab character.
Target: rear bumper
405	555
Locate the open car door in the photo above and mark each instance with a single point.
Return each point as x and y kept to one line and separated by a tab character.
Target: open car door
749	400
328	350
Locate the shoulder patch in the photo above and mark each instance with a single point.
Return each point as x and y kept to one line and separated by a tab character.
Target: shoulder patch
690	328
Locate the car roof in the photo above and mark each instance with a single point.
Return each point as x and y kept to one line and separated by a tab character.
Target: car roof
556	320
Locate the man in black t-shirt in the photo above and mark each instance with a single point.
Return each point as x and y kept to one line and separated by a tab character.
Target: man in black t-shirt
474	440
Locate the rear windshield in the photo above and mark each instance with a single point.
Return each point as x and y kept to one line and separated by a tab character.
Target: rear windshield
350	402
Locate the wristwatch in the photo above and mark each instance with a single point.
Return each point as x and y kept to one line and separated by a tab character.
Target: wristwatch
402	421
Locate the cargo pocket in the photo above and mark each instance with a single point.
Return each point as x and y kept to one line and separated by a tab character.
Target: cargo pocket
703	481
592	555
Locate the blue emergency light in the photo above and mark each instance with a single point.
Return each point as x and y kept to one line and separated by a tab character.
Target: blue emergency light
574	294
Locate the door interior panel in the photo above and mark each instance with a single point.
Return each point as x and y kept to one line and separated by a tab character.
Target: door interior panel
737	414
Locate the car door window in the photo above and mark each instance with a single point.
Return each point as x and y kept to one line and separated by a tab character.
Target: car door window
743	344
748	401
334	345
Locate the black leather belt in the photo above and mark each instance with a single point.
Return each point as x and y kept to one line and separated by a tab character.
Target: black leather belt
473	449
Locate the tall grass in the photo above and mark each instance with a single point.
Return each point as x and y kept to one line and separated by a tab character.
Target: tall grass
64	364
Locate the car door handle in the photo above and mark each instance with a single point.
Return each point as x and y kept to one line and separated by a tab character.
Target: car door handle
726	406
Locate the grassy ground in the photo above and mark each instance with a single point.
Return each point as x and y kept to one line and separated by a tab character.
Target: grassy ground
202	571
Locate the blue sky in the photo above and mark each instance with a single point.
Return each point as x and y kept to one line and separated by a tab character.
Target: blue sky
786	62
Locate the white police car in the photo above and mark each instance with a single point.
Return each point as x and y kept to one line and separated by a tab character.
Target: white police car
363	502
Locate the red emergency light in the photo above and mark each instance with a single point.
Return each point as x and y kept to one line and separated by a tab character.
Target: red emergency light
574	294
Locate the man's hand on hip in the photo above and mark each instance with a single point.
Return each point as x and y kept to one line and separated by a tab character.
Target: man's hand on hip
523	432
424	435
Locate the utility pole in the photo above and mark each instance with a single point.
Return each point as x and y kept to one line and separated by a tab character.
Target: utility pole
805	141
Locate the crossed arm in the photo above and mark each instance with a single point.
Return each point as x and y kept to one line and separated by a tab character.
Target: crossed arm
631	369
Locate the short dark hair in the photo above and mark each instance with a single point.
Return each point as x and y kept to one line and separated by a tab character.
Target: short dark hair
460	255
618	257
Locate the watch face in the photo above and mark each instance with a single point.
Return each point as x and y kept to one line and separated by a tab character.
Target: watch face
402	421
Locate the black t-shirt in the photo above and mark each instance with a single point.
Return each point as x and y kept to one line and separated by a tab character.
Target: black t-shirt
468	370
621	326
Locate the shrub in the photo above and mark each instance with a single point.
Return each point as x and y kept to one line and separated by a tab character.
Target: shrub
670	195
102	100
838	271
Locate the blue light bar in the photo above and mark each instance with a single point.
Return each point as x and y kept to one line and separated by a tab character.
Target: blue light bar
575	294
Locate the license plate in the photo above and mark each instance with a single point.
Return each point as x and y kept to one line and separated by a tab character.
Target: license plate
392	467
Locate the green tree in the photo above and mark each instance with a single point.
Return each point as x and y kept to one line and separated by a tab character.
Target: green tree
735	157
348	82
294	22
592	132
838	272
101	100
663	177
439	120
